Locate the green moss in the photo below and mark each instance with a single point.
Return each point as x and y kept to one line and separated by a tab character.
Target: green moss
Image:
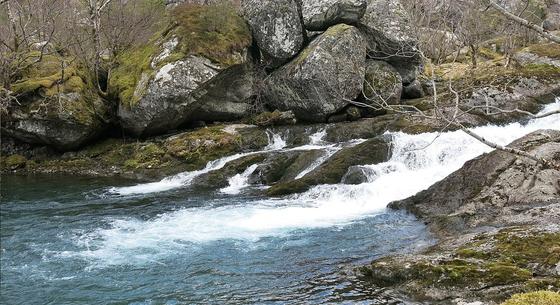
203	145
51	75
534	298
132	66
15	161
214	31
551	50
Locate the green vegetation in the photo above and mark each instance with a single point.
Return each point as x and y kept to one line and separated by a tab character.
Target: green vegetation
14	162
213	31
517	256
51	75
132	66
534	298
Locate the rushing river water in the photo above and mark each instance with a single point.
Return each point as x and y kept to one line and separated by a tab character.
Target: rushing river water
107	241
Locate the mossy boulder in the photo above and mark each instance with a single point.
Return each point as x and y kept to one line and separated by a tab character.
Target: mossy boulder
162	84
382	85
318	15
14	162
58	104
332	171
321	80
389	35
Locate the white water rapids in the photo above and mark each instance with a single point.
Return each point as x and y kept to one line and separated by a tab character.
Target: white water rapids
417	162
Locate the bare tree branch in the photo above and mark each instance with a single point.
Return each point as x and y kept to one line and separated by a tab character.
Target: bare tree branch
524	22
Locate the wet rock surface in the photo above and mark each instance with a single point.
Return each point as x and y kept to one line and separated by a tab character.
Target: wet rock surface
497	219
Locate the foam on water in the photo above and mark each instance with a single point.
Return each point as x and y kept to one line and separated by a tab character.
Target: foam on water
417	162
183	179
240	181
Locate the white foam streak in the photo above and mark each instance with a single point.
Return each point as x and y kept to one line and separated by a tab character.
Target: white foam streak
418	161
183	179
240	181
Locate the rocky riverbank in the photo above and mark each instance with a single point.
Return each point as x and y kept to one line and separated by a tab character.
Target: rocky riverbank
497	220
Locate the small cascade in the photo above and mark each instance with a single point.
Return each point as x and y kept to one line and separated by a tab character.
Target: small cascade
275	141
418	162
240	181
184	179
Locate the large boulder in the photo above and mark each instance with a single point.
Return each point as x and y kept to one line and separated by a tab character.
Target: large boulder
162	85
382	84
227	97
277	28
318	15
56	107
390	37
165	101
323	78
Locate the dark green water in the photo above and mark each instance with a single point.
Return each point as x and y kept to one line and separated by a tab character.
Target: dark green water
63	242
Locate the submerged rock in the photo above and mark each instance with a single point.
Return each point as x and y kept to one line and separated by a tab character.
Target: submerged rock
276	26
332	171
318	15
322	79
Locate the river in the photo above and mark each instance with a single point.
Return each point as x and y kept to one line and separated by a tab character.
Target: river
69	240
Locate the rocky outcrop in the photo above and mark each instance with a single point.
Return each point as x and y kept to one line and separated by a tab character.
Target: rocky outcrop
544	54
390	37
497	218
318	15
277	28
322	79
141	160
498	188
56	107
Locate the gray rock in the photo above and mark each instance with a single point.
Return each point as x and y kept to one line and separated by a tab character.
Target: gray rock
524	93
166	100
552	21
332	171
277	28
319	15
382	84
390	36
413	90
496	189
64	121
323	78
227	97
355	175
526	57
